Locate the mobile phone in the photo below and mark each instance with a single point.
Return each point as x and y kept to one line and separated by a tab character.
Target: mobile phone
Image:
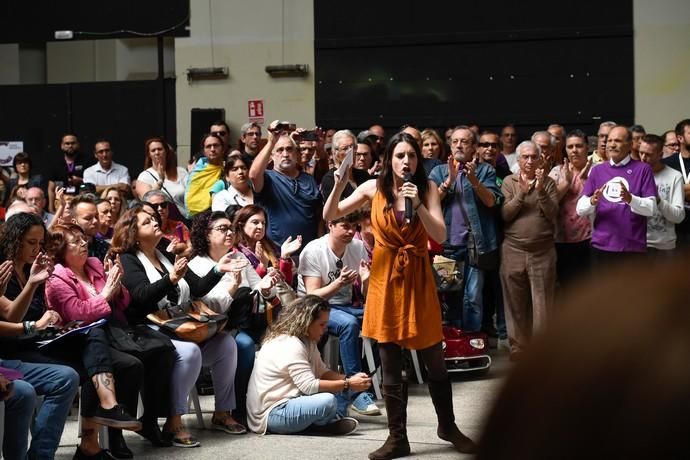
179	231
309	136
285	126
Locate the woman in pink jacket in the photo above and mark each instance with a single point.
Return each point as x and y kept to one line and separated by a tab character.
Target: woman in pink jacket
80	289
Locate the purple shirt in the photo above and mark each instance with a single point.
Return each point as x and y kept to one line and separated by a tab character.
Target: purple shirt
616	227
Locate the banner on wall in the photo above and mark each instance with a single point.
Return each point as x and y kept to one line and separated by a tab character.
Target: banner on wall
255	111
8	149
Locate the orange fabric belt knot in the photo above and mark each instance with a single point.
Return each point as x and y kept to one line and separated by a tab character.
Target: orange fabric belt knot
402	259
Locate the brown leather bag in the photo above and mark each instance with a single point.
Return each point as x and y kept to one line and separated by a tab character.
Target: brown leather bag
192	321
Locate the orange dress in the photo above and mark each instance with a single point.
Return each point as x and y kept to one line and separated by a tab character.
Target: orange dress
402	304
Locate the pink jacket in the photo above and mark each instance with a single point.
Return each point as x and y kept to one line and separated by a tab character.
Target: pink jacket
67	296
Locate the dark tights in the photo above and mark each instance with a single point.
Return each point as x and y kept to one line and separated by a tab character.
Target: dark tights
391	362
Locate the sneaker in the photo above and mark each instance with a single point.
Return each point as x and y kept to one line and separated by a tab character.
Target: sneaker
364	405
340	427
116	417
503	345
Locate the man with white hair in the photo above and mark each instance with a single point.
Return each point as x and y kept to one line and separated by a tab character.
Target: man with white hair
36	198
599	154
528	254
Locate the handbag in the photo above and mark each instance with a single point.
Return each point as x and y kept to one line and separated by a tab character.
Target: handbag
140	340
191	321
250	311
477	259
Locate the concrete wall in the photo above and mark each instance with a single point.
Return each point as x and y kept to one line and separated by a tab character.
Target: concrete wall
662	63
245	37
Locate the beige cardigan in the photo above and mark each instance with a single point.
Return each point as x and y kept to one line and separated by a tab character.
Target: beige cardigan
286	367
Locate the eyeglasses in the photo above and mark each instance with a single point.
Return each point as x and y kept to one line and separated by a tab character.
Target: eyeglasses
163	205
252	133
486	145
79	241
223	229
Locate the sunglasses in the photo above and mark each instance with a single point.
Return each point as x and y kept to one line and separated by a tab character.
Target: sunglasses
487	145
163	205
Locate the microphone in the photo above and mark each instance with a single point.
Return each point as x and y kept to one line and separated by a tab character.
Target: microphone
409	212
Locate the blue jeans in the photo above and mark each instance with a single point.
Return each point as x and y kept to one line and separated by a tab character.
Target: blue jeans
466	313
297	414
58	385
345	322
246	352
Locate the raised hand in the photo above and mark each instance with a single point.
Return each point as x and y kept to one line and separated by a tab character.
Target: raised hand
113	282
452	170
524	184
470	169
290	246
261	254
179	269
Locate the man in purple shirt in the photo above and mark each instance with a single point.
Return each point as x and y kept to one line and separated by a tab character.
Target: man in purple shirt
621	194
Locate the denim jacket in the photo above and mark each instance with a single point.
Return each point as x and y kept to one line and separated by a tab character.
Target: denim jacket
482	219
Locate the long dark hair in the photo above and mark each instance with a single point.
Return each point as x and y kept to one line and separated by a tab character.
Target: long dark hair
12	233
385	181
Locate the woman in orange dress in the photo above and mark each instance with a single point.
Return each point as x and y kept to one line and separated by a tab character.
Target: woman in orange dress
402	307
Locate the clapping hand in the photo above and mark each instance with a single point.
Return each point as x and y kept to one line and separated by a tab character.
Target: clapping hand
113	282
179	269
539	176
625	194
6	269
347	277
364	270
41	269
290	246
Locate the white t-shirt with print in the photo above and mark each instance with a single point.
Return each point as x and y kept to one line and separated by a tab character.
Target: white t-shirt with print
317	259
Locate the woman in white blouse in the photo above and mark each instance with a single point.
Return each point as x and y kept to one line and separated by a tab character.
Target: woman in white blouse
291	389
162	173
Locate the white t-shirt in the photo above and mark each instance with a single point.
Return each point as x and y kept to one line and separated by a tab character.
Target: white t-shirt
176	188
317	259
225	198
661	227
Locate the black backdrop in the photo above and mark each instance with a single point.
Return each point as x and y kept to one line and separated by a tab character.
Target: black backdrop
437	63
126	112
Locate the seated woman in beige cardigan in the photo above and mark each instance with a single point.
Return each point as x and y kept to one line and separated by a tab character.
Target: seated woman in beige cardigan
291	389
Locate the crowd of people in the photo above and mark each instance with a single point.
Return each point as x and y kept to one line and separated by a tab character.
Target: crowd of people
294	237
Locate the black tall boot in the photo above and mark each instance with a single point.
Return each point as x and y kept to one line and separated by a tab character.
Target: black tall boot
396	445
442	397
118	447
